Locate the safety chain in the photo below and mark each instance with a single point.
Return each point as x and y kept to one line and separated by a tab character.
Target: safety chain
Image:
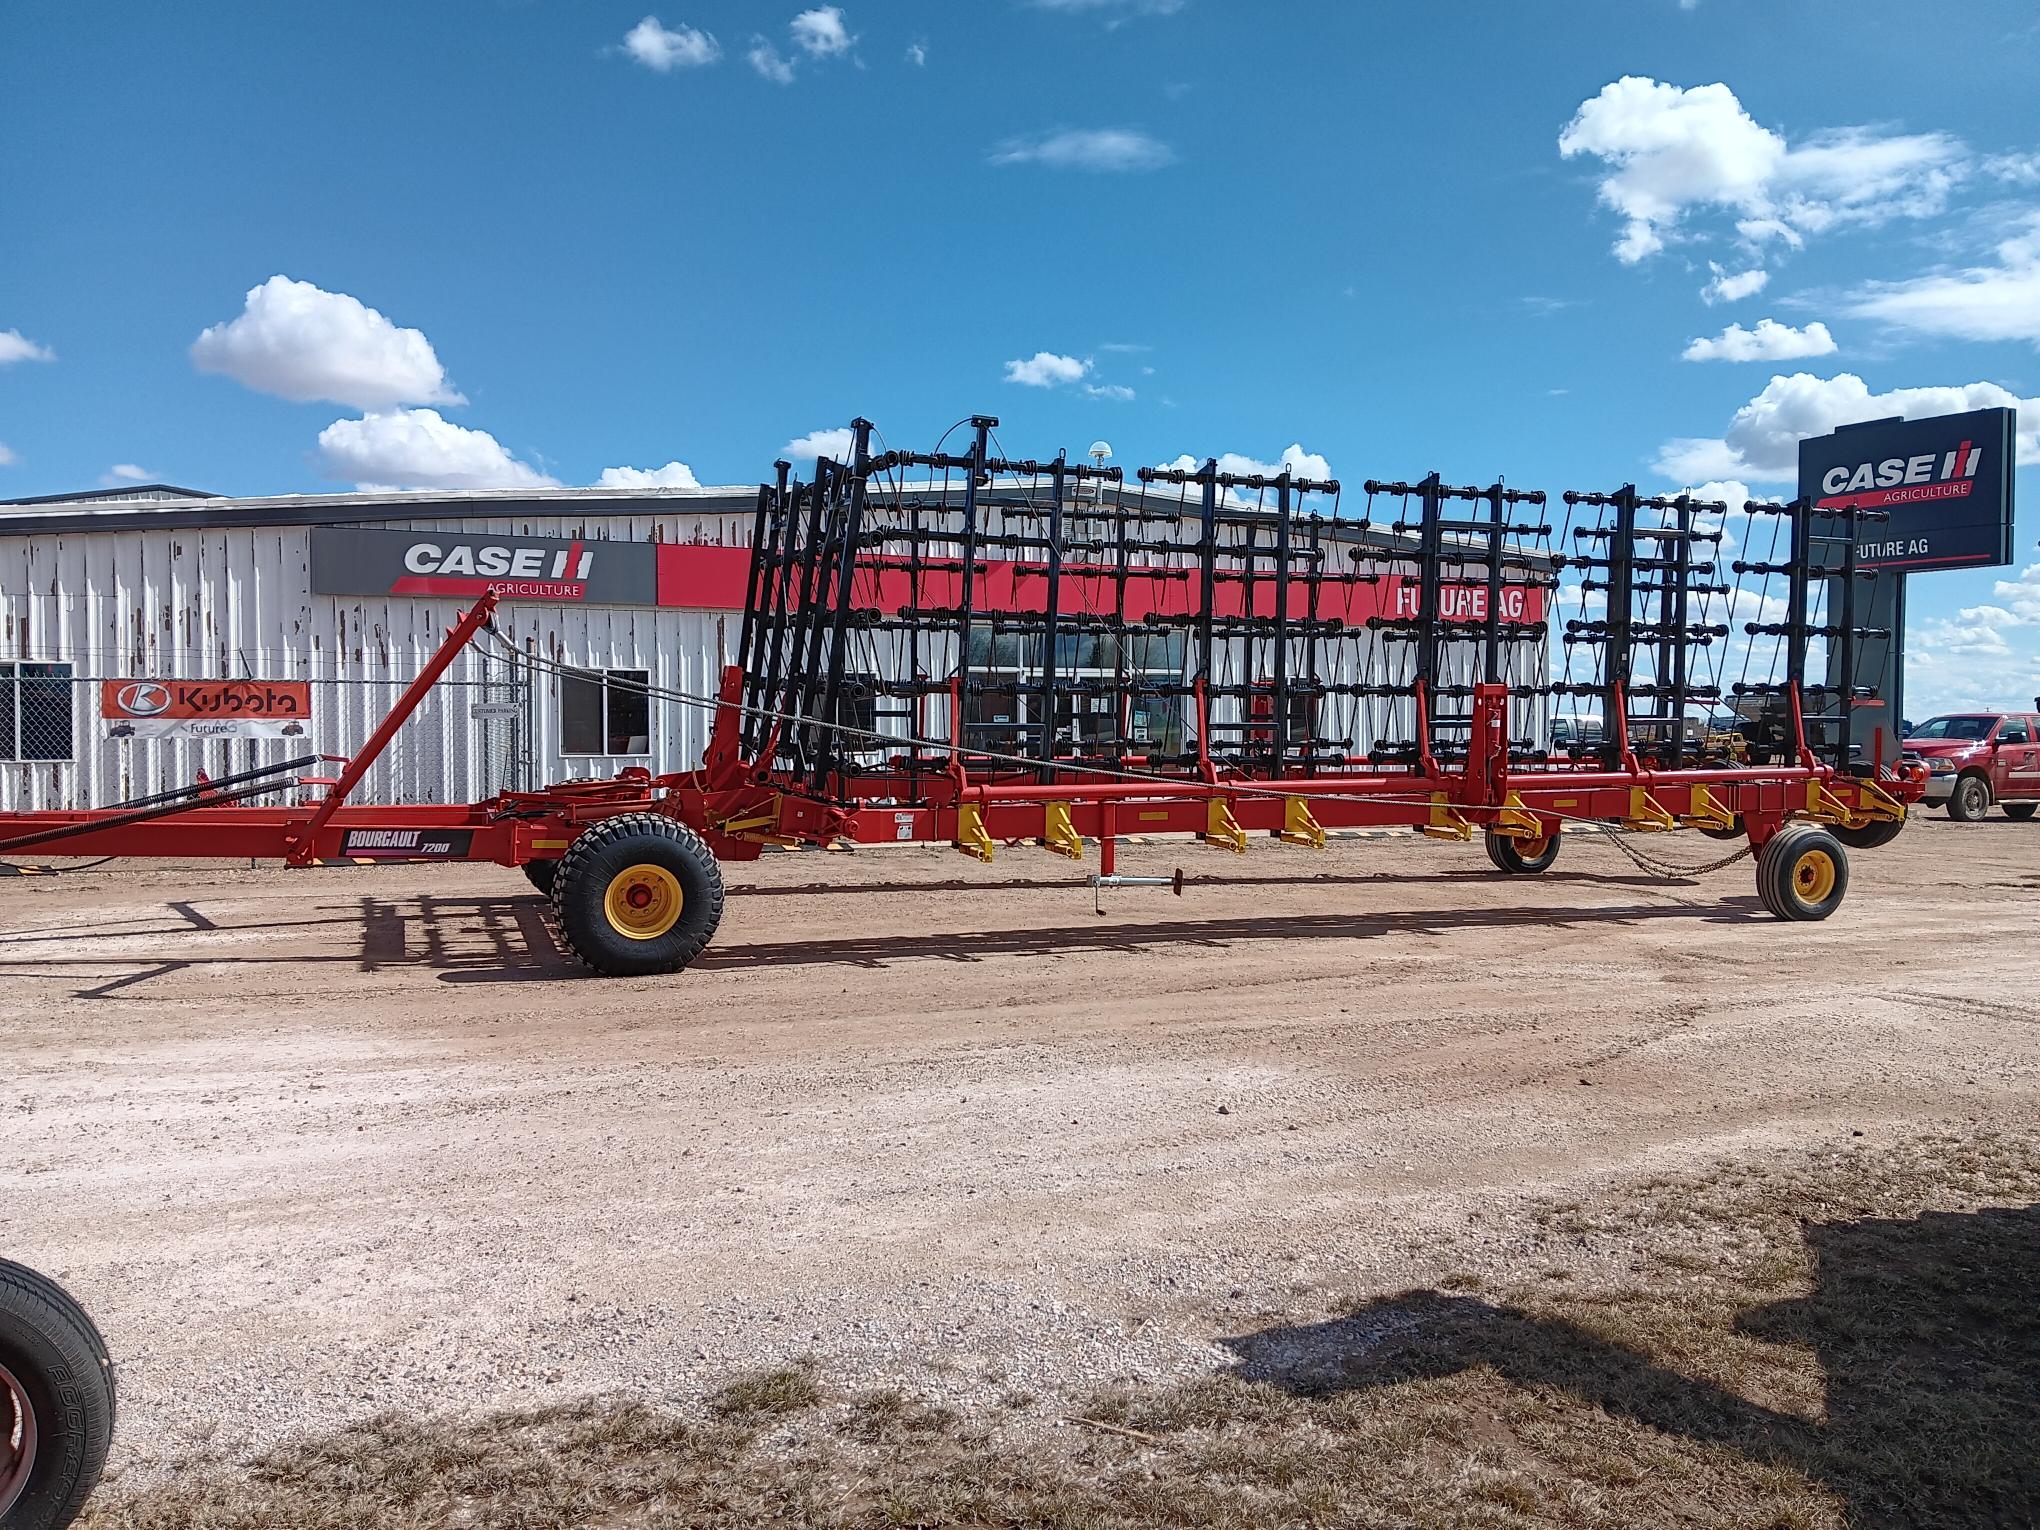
1656	867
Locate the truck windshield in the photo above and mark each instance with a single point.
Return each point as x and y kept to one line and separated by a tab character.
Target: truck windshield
1955	727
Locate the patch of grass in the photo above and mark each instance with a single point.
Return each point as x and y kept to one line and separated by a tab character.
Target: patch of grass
766	1394
1851	1338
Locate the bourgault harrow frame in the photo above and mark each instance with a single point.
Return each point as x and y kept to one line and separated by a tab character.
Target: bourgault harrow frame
957	647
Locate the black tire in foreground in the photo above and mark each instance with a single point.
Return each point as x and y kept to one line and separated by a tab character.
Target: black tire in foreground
638	894
1522	857
1969	800
56	1402
540	874
2020	811
1802	872
1870	835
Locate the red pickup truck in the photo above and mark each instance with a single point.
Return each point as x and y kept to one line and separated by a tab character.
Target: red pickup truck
1976	758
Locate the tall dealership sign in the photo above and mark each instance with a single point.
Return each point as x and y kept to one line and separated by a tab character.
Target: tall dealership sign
1946	486
1945	483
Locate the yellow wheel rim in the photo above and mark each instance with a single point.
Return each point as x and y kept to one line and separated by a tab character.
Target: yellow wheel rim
643	902
1531	849
1813	876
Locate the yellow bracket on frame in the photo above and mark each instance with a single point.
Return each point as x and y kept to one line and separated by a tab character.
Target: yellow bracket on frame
1298	827
1515	821
1646	814
1445	821
1704	810
1875	805
1221	830
1059	834
971	837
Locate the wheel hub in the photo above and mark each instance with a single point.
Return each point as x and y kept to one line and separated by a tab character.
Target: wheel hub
1813	876
643	902
17	1440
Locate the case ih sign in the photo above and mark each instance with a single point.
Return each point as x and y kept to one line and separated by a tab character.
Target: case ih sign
462	565
1946	484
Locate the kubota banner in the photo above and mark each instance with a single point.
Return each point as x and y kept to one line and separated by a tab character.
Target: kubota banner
206	708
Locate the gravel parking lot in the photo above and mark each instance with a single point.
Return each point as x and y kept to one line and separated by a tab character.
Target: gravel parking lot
320	1144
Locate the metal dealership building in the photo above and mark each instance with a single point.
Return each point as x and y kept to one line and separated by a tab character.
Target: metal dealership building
149	634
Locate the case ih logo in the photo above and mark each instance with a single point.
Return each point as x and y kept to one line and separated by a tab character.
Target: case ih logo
463	568
1902	480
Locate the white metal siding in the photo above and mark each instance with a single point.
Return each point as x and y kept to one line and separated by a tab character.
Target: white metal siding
237	603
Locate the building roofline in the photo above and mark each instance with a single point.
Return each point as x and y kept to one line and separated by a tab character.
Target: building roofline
127	493
77	513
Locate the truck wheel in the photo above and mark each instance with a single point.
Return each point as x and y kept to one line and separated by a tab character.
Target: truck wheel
56	1402
540	874
1522	857
637	894
1870	835
1802	873
1970	800
2020	811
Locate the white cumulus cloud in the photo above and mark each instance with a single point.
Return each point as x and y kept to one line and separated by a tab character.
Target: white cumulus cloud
124	472
1045	369
917	54
1117	393
1762	441
1094	149
417	449
666	48
674	475
7	456
1769	341
821	33
769	63
303	343
15	346
1294	459
1669	151
1733	286
834	444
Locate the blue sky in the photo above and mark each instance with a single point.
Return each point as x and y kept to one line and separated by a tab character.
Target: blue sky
1397	237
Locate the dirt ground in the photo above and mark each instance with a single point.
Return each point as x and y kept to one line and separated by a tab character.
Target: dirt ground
316	1145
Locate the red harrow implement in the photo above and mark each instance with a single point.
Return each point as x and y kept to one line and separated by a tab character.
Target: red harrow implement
956	647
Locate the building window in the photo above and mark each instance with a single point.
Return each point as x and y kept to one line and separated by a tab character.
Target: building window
36	718
605	711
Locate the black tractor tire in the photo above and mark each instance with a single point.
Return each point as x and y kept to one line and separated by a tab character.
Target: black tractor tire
2019	812
1869	836
1522	858
1970	799
1733	831
637	894
56	1372
540	874
1802	873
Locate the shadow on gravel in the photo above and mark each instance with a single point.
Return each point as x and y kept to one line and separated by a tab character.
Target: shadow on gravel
510	939
1926	1330
1776	1342
976	945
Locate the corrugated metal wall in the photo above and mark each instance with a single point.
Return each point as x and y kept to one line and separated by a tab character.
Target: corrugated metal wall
236	603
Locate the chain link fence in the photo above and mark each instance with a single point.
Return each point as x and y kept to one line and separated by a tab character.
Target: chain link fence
470	737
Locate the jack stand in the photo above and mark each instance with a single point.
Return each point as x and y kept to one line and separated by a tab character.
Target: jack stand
1100	881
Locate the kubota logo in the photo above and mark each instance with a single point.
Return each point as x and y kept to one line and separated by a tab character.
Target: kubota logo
143	698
